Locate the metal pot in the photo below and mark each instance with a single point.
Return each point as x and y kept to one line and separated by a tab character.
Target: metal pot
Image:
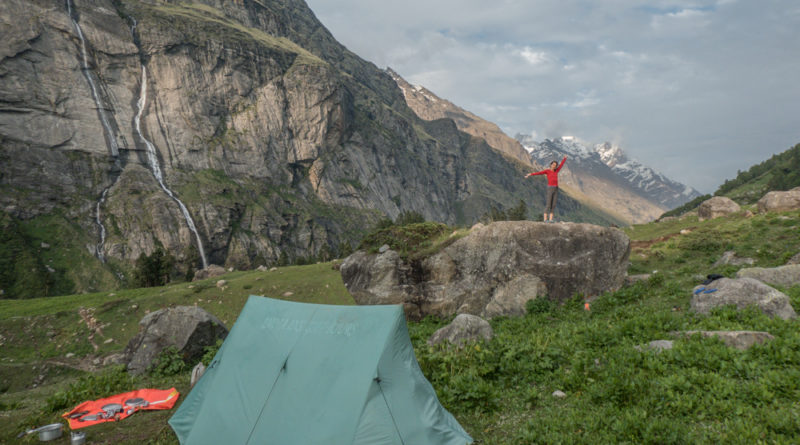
77	438
49	432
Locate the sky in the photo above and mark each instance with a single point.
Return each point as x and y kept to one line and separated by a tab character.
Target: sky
696	90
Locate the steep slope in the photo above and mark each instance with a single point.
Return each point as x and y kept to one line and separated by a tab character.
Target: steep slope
655	186
234	133
429	106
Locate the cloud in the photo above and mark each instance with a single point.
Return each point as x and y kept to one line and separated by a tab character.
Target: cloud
713	81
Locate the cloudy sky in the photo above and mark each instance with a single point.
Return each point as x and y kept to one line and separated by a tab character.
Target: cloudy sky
697	90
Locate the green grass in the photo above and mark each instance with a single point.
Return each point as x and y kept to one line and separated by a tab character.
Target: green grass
500	391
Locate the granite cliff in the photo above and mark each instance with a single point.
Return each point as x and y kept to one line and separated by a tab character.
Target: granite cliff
227	132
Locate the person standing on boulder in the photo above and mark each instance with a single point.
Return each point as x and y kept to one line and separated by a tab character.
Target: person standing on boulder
552	186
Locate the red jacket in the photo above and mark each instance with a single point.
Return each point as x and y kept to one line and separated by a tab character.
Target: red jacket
552	175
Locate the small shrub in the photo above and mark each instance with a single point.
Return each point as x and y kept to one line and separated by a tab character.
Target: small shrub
89	387
168	363
540	305
210	351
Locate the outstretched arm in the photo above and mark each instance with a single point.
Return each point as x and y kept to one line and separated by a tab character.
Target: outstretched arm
534	174
562	164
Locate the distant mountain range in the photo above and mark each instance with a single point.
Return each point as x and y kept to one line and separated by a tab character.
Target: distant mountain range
601	176
609	163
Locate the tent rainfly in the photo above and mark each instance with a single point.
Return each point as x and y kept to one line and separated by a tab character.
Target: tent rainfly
309	374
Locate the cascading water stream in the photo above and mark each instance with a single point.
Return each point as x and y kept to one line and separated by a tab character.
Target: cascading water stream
155	167
110	137
99	247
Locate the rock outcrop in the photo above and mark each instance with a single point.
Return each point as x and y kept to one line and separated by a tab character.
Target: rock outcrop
780	201
742	292
794	260
494	270
736	339
187	328
463	329
716	207
786	276
730	258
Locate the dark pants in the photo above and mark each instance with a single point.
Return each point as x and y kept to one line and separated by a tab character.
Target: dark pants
552	197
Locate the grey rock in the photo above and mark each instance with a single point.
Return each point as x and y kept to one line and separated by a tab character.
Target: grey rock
494	270
559	394
222	283
793	260
730	258
262	268
735	339
383	248
656	345
743	292
197	372
115	359
211	271
716	207
785	276
463	329
189	329
780	201
632	279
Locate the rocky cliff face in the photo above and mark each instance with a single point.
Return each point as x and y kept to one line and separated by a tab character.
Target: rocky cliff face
227	132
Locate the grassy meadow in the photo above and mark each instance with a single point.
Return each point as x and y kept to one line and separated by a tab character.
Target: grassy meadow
501	391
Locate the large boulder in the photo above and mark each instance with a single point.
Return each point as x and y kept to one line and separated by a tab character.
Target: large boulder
187	328
716	207
780	201
786	276
209	272
742	292
494	270
463	329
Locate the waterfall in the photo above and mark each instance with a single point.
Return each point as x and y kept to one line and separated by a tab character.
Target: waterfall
155	167
99	248
110	136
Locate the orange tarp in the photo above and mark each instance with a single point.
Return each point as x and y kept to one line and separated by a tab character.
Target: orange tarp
86	414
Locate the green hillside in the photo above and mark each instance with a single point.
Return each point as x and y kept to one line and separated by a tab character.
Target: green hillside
699	392
780	172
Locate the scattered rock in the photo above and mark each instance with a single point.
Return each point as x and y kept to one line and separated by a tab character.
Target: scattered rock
780	201
134	306
69	355
667	219
108	340
793	260
559	394
656	345
273	269
262	268
383	248
45	246
230	269
786	276
686	231
730	258
114	359
464	328
494	271
189	329
209	272
49	269
632	279
288	294
742	292
222	283
716	207
735	339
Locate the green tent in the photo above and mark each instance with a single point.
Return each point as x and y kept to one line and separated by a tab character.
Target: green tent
308	374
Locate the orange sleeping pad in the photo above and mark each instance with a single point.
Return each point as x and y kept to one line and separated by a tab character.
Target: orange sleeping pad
120	406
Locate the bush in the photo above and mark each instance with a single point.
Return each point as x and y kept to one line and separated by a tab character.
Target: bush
89	387
168	363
